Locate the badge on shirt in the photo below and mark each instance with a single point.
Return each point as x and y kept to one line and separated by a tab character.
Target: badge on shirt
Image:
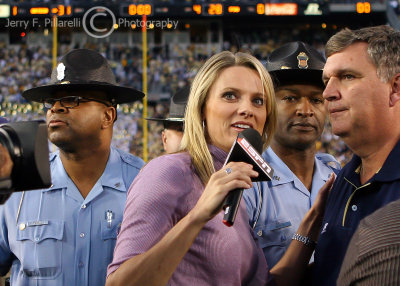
109	216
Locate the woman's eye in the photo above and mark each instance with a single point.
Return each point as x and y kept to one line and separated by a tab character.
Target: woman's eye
259	101
229	95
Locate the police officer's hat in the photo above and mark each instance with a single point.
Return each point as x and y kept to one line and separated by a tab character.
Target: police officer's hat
177	107
296	62
83	69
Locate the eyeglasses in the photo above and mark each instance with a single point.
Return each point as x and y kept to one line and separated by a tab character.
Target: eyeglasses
69	101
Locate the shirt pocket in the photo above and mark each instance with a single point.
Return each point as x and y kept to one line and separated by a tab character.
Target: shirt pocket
109	237
274	238
109	232
41	248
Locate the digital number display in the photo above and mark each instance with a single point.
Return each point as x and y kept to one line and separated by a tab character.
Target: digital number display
139	10
61	10
261	8
58	10
197	9
215	9
363	7
39	11
233	9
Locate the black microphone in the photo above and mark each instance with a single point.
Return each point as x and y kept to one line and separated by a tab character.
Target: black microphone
246	148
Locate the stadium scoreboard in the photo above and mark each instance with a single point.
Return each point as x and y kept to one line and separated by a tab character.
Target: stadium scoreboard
195	9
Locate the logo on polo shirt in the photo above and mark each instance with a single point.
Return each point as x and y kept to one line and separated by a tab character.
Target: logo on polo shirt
324	228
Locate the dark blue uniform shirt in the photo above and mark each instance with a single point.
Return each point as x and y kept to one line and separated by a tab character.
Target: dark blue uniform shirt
348	203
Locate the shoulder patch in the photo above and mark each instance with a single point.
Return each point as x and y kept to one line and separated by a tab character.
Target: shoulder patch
329	161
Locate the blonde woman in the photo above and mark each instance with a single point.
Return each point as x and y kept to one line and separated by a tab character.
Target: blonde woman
172	232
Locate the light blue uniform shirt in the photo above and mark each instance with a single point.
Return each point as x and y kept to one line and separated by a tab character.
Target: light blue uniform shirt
277	207
60	238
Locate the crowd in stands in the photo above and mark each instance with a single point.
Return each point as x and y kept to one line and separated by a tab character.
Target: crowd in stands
22	67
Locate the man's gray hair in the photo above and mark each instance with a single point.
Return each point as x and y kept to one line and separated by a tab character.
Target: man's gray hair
383	47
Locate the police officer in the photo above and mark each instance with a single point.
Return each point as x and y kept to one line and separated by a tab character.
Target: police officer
65	235
277	207
173	124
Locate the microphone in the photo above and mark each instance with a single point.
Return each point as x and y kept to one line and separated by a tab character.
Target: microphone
246	148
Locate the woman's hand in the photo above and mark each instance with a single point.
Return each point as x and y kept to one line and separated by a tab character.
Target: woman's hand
235	175
156	265
291	268
319	205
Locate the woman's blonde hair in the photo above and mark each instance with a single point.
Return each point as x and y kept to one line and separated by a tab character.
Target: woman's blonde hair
194	139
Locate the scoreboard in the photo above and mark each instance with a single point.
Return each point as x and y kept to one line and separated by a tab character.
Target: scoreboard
195	9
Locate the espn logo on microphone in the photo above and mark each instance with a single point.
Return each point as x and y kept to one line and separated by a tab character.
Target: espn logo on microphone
254	154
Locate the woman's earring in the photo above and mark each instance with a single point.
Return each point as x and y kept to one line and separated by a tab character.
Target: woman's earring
204	126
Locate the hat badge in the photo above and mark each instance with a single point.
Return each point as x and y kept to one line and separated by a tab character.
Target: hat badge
302	60
60	71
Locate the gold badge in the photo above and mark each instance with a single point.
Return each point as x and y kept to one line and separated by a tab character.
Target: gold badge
303	60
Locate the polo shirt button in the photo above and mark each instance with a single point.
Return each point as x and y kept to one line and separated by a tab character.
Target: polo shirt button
259	233
354	208
80	264
83	206
82	235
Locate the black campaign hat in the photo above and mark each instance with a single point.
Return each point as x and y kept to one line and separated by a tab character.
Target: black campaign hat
177	106
83	69
296	62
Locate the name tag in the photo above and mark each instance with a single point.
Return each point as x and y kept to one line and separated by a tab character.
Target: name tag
22	226
37	223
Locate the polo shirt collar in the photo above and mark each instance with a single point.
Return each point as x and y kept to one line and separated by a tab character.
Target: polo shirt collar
390	170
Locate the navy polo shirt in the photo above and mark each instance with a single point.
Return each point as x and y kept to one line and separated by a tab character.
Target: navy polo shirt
349	202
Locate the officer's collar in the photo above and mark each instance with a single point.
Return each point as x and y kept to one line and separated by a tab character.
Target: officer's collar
282	173
111	177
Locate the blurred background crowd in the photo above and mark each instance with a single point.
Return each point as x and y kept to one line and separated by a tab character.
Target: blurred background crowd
23	67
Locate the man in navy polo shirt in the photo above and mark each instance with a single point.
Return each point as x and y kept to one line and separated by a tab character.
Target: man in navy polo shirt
362	78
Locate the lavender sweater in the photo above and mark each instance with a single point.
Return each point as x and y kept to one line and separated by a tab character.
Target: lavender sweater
163	193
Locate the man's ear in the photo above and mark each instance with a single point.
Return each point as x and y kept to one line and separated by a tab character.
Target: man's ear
110	114
395	94
164	139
